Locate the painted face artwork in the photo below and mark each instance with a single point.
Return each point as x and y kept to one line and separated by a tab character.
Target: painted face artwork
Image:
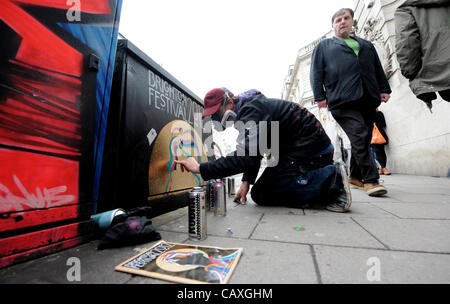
182	260
177	140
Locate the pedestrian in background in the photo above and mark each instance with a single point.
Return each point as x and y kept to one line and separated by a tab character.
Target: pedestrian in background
422	29
378	149
347	77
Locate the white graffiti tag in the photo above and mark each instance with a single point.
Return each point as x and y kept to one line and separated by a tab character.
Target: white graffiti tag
45	198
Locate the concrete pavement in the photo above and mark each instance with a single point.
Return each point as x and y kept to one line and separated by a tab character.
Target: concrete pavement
403	237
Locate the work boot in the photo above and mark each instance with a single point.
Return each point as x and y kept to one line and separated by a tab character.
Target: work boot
356	183
374	189
344	200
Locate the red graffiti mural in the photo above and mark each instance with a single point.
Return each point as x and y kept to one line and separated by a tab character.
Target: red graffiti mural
18	197
40	110
47	110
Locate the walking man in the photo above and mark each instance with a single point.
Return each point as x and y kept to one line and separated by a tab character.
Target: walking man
347	76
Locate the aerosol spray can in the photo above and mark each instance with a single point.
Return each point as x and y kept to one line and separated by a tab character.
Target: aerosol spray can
210	195
197	214
231	187
220	202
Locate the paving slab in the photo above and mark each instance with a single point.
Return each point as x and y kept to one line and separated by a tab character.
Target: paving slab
274	210
356	210
402	195
261	262
417	184
338	265
420	198
265	262
241	222
314	230
96	266
100	268
360	196
410	234
425	210
422	189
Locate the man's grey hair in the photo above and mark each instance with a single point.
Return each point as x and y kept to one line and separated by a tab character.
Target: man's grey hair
341	12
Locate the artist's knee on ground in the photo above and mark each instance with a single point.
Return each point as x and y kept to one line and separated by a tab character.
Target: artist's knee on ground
260	197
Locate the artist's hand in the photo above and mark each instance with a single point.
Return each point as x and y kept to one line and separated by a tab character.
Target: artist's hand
242	193
190	164
385	97
322	103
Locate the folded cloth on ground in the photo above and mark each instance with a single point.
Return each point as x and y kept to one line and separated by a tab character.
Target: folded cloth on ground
130	229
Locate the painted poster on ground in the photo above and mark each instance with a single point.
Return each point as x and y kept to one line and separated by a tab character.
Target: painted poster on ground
184	263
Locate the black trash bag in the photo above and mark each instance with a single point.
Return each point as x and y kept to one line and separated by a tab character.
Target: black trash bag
130	229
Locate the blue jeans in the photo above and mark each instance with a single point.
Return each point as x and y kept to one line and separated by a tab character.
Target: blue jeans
298	185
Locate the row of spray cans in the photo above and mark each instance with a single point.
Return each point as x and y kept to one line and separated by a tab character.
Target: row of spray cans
212	198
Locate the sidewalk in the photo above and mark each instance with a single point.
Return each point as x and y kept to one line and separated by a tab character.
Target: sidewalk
403	237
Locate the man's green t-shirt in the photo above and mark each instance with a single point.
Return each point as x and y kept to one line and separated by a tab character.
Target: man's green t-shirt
353	44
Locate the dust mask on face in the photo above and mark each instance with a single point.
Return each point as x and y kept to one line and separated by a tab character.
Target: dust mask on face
229	115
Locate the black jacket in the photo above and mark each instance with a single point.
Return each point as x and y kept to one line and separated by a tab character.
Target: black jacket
300	136
422	40
340	76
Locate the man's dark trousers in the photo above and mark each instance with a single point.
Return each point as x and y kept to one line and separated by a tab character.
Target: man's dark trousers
298	184
356	119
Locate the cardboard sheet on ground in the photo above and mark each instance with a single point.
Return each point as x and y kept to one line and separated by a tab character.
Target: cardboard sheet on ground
184	263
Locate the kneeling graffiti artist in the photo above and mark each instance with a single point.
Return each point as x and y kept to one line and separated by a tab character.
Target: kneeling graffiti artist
301	175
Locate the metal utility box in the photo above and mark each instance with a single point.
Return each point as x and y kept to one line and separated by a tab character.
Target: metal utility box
56	64
151	124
